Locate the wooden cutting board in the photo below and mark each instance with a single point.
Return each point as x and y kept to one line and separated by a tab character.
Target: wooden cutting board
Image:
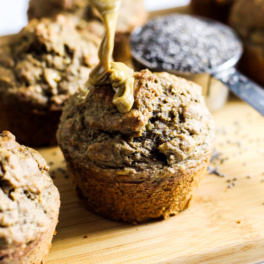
222	225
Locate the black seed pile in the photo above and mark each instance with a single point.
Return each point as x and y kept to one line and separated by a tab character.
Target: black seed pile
185	44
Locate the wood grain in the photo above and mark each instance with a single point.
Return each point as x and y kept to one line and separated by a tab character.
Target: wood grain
222	225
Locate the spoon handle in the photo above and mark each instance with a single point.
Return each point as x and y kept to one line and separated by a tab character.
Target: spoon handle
244	88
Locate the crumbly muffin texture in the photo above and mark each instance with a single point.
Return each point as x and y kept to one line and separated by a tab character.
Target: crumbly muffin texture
168	126
48	61
29	200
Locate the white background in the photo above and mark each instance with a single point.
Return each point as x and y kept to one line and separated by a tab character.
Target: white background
13	12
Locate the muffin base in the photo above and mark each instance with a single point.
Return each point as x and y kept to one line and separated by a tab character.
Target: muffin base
31	128
35	253
136	202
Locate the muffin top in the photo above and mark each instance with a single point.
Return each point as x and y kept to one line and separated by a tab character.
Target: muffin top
248	20
169	126
29	199
49	60
132	12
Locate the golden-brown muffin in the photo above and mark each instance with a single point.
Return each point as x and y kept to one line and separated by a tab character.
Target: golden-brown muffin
247	18
144	164
40	69
29	204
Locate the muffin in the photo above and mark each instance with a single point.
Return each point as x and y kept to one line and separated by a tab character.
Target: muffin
143	164
247	18
29	204
216	9
132	13
40	69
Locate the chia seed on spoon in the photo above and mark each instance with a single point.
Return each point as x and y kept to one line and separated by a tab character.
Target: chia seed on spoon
185	44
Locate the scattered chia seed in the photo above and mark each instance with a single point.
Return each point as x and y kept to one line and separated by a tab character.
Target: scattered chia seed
216	155
262	180
85	236
239	144
52	175
185	44
229	180
215	171
61	170
51	163
230	186
54	153
249	176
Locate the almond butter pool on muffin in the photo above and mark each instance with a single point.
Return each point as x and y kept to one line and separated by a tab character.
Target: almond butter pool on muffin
29	204
138	143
